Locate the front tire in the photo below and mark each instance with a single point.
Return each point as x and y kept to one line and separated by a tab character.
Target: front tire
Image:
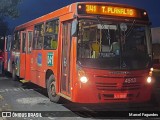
51	90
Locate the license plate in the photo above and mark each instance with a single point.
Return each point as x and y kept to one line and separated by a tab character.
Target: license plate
120	95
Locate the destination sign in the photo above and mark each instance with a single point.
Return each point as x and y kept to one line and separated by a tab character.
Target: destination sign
109	10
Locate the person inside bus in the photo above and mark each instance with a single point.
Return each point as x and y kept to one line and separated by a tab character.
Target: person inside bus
95	46
54	42
49	28
94	42
47	42
115	46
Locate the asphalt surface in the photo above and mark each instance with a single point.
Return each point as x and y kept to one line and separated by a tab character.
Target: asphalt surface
19	97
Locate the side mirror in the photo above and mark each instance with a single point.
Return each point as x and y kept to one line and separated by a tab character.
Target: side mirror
74	28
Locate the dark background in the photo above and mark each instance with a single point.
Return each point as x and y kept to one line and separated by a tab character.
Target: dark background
31	9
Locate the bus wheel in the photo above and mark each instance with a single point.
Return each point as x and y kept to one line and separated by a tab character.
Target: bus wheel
51	90
14	77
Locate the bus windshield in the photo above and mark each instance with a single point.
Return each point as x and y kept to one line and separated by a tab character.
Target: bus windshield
113	45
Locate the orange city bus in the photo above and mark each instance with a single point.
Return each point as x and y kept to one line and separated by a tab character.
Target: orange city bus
86	52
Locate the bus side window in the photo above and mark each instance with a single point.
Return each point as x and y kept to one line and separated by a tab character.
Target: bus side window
13	46
34	43
8	43
30	37
16	41
38	36
24	42
51	34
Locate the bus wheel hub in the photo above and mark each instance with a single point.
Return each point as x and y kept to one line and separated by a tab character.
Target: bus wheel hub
53	91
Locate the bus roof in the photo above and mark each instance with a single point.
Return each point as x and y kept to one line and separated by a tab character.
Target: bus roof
67	9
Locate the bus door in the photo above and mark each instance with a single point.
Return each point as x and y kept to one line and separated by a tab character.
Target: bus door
28	54
25	58
23	54
66	49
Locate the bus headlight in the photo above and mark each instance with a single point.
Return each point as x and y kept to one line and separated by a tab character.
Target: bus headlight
82	76
149	79
83	79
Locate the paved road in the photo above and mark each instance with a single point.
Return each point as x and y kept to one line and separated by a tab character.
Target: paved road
16	96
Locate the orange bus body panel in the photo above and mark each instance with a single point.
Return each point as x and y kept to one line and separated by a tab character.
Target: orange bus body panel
102	86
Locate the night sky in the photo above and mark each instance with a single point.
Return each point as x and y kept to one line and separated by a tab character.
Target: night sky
31	9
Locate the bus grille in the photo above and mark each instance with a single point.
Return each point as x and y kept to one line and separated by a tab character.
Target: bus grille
118	87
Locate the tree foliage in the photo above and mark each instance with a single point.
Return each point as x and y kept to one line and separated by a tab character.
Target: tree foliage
9	8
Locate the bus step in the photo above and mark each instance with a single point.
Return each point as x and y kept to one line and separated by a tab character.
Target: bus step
24	81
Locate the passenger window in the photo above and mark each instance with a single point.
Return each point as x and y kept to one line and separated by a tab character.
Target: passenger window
38	36
16	41
30	37
23	42
51	35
